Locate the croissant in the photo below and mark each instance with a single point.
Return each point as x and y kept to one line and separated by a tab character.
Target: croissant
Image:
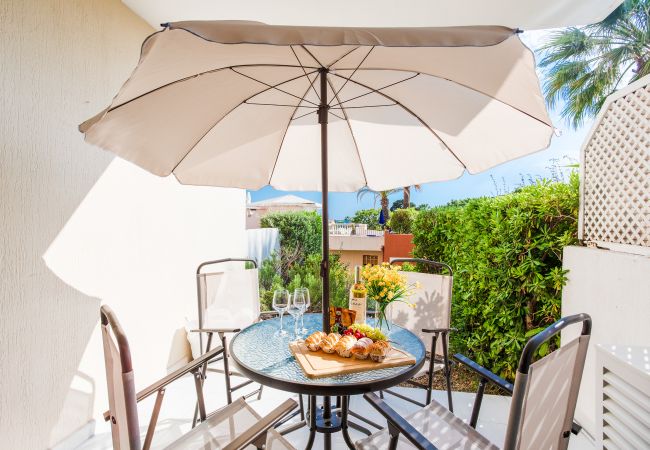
379	350
361	349
328	343
344	346
314	340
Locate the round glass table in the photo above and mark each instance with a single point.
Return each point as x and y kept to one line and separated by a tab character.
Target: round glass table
264	357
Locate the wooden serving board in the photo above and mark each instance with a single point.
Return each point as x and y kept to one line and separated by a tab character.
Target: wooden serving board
320	364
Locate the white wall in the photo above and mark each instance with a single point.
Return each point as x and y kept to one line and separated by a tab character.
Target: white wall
614	288
106	229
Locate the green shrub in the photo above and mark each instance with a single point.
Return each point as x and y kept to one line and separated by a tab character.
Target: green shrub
305	275
300	234
401	220
368	216
506	253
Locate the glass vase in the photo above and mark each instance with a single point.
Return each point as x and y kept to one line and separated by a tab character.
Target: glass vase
381	319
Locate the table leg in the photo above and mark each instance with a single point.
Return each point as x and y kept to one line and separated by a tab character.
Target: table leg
312	421
327	415
344	421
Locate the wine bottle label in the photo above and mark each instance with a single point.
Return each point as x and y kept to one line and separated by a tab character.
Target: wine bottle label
358	304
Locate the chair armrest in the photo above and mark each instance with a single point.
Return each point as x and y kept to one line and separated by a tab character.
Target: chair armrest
216	330
438	330
266	422
483	372
399	423
175	375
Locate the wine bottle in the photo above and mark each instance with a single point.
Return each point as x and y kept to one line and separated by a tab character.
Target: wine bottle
358	297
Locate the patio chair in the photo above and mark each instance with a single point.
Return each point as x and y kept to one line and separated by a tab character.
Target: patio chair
235	426
227	302
541	411
430	320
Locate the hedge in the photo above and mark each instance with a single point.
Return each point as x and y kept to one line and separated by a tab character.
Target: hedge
401	220
300	233
506	253
298	264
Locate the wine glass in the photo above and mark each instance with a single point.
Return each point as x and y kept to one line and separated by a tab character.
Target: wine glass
296	307
305	293
281	300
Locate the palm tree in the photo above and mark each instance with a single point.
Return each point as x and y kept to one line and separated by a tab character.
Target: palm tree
382	196
583	65
406	203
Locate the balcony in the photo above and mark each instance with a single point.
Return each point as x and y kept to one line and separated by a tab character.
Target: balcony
353	229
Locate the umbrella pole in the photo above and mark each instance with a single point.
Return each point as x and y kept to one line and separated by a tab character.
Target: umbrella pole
325	262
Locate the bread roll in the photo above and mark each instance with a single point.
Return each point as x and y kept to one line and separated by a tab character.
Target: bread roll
328	343
361	349
314	340
379	350
345	345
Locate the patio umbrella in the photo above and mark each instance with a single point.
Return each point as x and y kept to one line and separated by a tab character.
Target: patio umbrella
245	104
382	219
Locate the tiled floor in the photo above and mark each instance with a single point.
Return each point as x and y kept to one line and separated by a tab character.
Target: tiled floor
178	408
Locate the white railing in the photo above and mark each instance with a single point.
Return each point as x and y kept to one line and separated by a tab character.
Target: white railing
353	229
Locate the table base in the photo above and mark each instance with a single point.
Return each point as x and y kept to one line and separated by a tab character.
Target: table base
328	420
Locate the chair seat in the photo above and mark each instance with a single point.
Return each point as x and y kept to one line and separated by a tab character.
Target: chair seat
439	426
219	429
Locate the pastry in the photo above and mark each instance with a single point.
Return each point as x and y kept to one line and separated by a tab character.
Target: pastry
314	340
361	349
344	346
328	343
379	350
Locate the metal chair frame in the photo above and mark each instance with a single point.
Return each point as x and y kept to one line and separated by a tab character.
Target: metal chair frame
253	436
436	334
397	424
221	332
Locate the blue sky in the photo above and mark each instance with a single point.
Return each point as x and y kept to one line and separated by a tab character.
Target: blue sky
564	149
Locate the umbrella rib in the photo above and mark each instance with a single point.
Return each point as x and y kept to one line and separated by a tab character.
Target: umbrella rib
276	86
304	115
408	110
372	91
312	55
225	115
354	140
304	70
339	59
336	94
478	91
277	156
277	104
366	106
189	77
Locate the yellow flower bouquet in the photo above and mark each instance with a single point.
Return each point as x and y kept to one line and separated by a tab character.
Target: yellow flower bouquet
386	284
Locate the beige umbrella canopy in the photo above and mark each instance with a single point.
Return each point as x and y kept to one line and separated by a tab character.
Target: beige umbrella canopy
235	104
244	104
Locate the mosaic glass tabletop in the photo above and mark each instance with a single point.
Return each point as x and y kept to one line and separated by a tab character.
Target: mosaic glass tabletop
266	358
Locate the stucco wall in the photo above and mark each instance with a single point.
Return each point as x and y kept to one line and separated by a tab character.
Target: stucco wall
353	258
107	229
614	288
398	246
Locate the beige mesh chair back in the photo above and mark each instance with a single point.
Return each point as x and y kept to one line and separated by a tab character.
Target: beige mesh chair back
228	301
545	393
230	298
432	300
430	319
541	411
125	428
234	426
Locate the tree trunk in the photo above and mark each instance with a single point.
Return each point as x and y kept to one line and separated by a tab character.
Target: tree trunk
407	197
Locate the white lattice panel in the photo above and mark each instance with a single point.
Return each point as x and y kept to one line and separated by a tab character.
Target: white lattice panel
615	207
